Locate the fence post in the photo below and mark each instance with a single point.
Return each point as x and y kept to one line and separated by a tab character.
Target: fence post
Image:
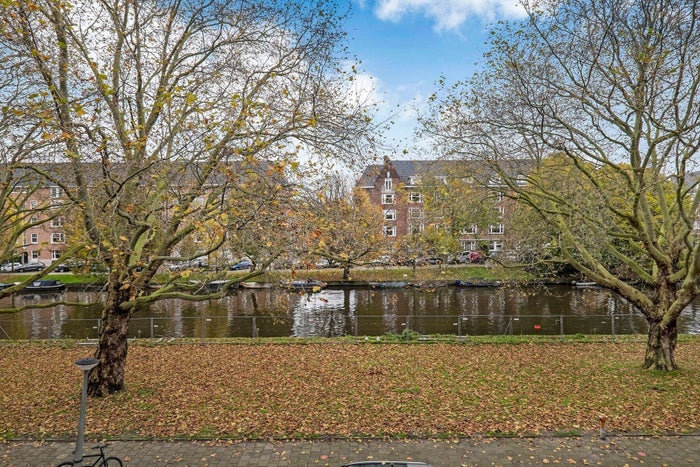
612	324
510	328
354	325
561	326
459	325
255	328
153	331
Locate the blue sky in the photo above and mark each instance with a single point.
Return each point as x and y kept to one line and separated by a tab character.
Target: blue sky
405	46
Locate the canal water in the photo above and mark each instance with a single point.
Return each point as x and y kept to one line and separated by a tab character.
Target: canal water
350	311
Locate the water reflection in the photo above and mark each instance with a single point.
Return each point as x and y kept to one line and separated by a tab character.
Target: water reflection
351	311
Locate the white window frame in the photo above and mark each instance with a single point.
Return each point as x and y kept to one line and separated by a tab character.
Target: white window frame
471	230
57	222
415	213
56	192
388	184
389	231
469	245
34	238
389	214
416	228
36	254
388	198
495	246
415	197
58	237
496	229
55	254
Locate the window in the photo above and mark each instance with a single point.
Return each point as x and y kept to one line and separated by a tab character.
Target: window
388	184
56	192
34	219
499	196
495	245
415	213
33	203
389	215
36	254
413	180
496	229
415	197
468	245
471	230
55	254
389	231
57	237
501	211
57	222
416	228
34	238
388	198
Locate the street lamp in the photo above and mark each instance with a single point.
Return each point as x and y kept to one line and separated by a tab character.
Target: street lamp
84	365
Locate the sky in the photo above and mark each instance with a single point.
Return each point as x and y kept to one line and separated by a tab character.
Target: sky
406	46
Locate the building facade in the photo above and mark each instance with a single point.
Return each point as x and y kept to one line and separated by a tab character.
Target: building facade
400	188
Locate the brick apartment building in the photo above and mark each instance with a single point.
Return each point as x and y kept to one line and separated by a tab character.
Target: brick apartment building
43	211
399	188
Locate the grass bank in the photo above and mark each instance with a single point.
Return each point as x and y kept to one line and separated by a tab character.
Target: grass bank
394	273
310	389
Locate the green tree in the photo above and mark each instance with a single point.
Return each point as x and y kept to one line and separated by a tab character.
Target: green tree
456	202
345	227
609	87
150	107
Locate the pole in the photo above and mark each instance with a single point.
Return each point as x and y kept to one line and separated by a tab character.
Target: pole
85	365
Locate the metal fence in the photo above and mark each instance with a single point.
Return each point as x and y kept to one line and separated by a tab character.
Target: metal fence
334	325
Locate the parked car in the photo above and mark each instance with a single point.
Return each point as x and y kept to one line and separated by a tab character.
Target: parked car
428	260
69	266
383	260
9	267
241	265
185	265
29	267
473	257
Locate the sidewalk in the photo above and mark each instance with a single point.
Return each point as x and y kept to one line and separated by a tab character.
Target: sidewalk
585	450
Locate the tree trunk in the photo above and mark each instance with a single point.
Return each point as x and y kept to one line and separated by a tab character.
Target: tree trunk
108	377
661	346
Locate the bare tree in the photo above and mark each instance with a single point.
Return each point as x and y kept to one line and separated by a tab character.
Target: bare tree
612	87
154	109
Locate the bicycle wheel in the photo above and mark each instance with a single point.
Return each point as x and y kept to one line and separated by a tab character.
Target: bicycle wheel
111	462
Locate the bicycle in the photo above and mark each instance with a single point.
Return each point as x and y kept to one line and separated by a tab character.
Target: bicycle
101	461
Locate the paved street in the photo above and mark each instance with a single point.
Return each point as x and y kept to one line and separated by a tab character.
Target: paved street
585	450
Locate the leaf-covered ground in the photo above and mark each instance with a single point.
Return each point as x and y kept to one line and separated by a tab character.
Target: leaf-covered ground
344	389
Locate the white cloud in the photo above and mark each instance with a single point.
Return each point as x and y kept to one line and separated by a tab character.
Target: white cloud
448	14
